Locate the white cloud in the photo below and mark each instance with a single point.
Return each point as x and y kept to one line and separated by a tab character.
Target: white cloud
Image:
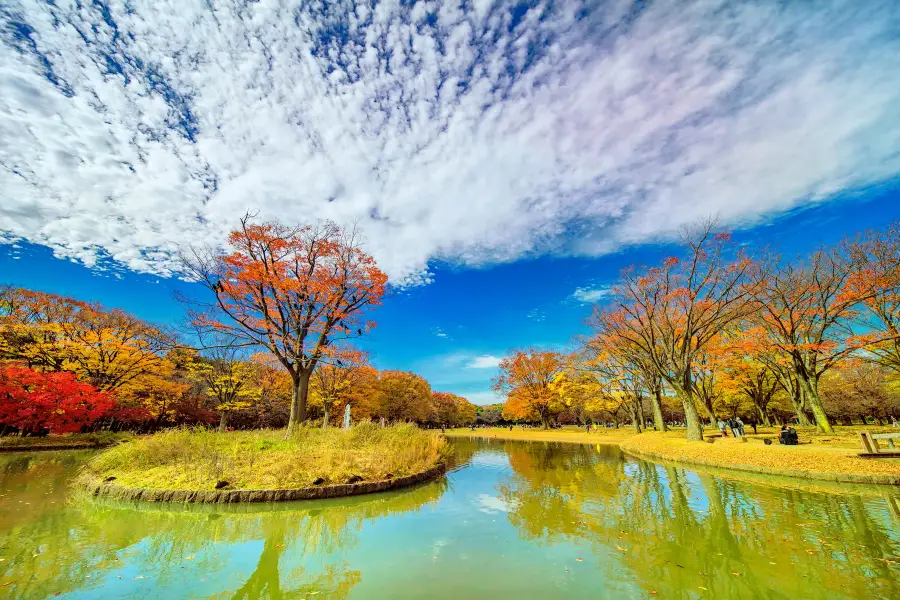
486	361
129	133
591	295
440	333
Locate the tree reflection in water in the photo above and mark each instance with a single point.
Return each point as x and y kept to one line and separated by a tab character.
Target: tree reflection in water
91	543
680	533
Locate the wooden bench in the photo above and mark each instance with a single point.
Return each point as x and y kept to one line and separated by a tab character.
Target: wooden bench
871	447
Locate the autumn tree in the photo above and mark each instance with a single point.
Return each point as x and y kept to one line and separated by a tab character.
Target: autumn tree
875	260
861	388
291	290
745	376
32	401
403	396
451	410
338	380
230	381
526	377
109	349
806	311
670	313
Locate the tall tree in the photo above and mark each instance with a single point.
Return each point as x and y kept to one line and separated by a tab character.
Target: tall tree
526	376
876	266
291	290
670	313
108	348
807	310
403	396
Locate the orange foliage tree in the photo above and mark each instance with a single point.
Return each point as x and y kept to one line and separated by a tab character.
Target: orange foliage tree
526	377
806	311
876	265
109	349
291	290
403	396
672	312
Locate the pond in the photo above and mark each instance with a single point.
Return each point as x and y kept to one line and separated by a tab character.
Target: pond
512	520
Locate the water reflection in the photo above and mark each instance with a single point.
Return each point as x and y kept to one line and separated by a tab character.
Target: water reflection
245	551
511	520
681	533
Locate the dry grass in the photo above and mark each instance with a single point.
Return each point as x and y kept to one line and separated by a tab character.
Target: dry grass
269	459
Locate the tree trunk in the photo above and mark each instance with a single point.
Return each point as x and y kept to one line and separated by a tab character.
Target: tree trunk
639	406
299	392
545	422
763	417
656	402
326	408
707	404
691	416
811	394
223	421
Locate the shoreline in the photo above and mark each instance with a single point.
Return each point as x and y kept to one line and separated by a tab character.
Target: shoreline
43	448
98	488
657	447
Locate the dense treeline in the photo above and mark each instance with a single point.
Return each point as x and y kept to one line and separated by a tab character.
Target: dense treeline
67	365
270	348
715	332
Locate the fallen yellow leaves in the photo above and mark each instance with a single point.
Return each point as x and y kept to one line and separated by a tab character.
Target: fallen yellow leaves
810	461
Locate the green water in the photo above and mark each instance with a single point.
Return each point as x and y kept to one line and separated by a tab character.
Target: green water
513	520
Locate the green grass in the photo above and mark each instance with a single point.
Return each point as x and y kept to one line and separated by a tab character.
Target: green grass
88	440
196	459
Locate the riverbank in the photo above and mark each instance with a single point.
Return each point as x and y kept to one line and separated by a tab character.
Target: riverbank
74	441
269	465
829	457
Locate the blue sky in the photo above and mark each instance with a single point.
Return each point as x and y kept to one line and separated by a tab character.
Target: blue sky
505	159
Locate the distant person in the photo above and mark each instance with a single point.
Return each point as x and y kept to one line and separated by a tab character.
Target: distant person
587	428
733	427
753	425
788	436
721	425
740	425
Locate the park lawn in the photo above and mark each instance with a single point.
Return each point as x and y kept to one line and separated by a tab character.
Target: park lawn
820	456
70	440
198	459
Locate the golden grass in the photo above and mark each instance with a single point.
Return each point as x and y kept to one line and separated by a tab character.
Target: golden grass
197	459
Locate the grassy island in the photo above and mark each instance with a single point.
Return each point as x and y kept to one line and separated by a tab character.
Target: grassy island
199	459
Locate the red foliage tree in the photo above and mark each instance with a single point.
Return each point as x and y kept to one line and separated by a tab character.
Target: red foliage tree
32	401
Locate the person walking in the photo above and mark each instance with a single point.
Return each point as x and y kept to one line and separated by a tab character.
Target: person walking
721	425
740	425
733	427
